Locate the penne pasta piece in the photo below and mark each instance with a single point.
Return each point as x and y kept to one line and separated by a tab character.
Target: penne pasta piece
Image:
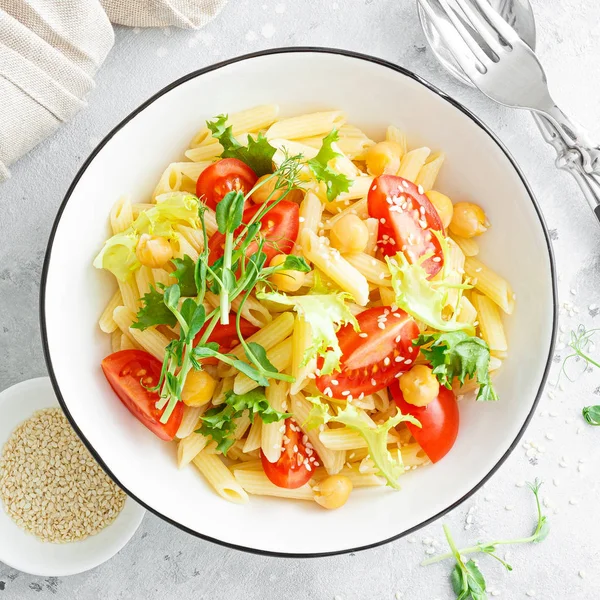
253	311
184	248
393	134
300	409
254	435
429	171
242	424
309	125
121	215
490	323
192	236
490	284
301	342
210	220
115	340
331	262
150	340
272	433
129	293
224	386
162	276
467	312
387	295
248	465
412	162
358	208
359	188
469	246
144	279
413	456
170	181
279	356
311	212
106	322
190	421
209	151
192	170
189	447
357	478
374	270
344	438
127	343
258	484
252	119
454	269
220	477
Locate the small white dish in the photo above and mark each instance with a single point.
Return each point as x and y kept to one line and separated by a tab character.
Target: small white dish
22	550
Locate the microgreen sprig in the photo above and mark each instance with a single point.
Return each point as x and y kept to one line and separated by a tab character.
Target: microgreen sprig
466	578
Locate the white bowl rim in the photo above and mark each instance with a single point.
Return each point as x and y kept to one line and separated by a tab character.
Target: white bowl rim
214	67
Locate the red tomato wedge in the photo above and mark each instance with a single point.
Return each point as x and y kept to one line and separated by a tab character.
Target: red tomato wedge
224	176
439	420
126	371
291	470
279	226
226	336
406	219
372	358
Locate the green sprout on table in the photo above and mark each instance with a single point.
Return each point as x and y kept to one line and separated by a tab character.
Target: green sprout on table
466	578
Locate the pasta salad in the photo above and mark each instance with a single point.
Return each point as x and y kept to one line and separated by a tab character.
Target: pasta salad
299	309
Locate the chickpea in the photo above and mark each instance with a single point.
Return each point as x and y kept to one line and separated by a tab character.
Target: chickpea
468	220
383	157
198	388
286	280
349	234
154	251
261	195
419	386
333	491
443	205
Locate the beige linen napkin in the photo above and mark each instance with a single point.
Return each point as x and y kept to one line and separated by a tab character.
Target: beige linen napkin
50	51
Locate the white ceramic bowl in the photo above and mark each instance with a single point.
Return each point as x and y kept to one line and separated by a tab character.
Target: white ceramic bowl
130	160
22	550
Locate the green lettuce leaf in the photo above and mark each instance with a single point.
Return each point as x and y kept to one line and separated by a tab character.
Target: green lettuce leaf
118	254
457	354
325	313
375	437
219	423
421	298
258	155
154	311
335	182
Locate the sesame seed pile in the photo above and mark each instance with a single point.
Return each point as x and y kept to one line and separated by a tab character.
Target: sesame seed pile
51	485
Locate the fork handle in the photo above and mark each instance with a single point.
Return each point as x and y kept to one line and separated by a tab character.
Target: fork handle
570	160
575	136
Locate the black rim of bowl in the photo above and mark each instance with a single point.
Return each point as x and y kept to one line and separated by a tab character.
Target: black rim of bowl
194	74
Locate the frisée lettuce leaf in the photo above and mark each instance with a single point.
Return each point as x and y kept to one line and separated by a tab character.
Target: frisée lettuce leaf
374	435
325	313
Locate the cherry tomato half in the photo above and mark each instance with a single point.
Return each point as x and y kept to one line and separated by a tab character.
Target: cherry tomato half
226	336
126	371
224	176
439	420
291	470
406	218
279	226
372	358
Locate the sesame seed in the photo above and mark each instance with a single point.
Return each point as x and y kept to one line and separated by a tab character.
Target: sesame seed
363	335
420	189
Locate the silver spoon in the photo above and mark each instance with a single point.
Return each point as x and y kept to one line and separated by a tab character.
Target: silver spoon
519	14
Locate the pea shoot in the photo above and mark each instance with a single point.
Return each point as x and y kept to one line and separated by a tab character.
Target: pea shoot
466	578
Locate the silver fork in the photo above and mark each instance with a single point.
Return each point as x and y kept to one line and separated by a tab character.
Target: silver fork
506	69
